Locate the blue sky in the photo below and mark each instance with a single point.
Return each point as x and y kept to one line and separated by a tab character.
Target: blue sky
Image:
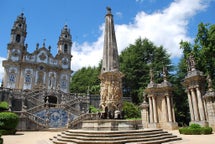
164	22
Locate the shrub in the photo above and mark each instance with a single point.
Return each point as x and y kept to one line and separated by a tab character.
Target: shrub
195	129
93	109
131	111
8	122
4	106
195	126
1	139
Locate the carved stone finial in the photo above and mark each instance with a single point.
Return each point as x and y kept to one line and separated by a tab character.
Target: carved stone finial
108	10
209	82
164	73
144	97
44	42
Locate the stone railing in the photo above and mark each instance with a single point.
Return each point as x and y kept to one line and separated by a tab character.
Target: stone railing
71	109
37	120
76	123
36	108
34	100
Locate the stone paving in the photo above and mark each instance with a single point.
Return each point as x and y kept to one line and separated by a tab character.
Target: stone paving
42	137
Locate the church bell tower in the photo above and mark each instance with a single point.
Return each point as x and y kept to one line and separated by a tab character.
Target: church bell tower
16	51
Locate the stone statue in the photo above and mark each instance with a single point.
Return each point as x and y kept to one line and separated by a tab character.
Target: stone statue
191	64
151	75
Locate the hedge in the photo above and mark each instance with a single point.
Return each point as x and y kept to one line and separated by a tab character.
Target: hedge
4	106
195	129
8	122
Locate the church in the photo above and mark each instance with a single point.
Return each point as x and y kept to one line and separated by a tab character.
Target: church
37	85
39	69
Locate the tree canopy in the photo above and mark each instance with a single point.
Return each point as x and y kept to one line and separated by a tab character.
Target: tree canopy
203	49
86	79
135	62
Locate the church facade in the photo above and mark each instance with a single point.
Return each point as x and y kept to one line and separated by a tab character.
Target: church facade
36	85
39	69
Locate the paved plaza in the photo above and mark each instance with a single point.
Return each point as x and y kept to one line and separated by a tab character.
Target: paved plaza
42	137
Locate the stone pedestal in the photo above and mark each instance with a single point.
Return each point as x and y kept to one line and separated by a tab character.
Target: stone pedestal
161	108
144	114
111	91
195	87
111	125
209	98
169	125
22	125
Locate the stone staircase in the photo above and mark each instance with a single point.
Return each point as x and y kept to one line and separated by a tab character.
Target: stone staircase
143	136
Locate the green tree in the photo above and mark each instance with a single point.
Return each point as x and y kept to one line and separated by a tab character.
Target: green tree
86	79
131	110
204	48
135	62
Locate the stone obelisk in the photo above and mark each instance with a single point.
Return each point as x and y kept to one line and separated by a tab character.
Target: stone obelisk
111	77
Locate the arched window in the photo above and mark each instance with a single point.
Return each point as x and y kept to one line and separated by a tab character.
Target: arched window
28	79
12	78
18	38
63	83
65	48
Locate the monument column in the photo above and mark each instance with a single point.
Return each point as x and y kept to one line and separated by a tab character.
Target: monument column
200	105
151	110
169	109
154	109
173	112
190	105
111	77
195	106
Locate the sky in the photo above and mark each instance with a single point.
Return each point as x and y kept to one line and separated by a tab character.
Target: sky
164	22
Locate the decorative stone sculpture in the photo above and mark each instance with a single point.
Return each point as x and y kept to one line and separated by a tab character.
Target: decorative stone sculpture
111	77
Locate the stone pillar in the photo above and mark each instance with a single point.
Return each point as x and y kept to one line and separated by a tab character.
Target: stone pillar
154	109
151	110
200	105
195	106
144	114
173	112
190	105
209	99
165	109
169	109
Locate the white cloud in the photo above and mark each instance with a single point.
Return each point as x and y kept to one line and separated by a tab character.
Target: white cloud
165	27
87	54
1	69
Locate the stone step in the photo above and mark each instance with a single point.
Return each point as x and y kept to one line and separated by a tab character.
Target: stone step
116	140
112	133
119	137
148	136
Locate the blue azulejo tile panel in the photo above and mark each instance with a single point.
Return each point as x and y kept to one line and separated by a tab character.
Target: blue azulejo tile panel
56	117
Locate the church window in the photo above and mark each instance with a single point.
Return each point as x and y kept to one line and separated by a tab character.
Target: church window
63	83
18	38
41	68
28	79
12	78
65	48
